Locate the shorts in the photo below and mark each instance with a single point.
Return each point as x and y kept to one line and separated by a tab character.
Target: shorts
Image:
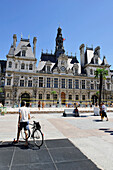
104	114
24	125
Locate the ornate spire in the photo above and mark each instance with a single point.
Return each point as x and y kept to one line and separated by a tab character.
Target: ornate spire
59	49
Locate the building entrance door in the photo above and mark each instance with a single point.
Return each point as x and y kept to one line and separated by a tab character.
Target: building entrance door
63	98
26	97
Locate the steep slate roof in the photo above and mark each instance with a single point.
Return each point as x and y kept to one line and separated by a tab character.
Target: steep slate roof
104	62
48	57
74	60
24	43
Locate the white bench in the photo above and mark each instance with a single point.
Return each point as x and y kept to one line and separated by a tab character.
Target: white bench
69	111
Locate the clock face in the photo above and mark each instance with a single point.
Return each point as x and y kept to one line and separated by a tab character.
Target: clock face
63	68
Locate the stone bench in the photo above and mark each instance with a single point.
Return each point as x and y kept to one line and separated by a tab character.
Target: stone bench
69	111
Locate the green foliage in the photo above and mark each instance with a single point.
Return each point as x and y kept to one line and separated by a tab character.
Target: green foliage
100	71
53	92
1	90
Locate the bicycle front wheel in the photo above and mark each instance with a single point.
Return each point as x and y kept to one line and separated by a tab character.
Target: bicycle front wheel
38	138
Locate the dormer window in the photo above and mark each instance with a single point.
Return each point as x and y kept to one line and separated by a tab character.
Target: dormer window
91	72
96	61
23	53
10	64
76	71
48	68
30	67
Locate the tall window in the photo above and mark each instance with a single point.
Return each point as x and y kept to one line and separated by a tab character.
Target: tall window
83	97
55	82
91	71
23	66
108	86
10	64
92	86
70	83
22	83
30	67
76	84
63	83
76	70
40	96
48	68
77	97
55	96
83	84
40	81
8	81
96	61
48	82
48	96
23	53
16	65
29	83
70	97
97	86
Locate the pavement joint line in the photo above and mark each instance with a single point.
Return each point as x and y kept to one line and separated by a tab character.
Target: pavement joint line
77	160
12	159
51	157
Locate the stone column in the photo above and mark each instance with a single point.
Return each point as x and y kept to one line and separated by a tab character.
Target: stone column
14	40
34	46
81	48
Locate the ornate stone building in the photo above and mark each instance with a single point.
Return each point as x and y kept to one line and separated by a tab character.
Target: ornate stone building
72	81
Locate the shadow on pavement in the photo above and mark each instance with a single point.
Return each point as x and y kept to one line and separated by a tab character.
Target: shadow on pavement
107	130
55	154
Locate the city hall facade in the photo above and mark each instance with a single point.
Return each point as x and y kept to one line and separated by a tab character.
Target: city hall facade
72	81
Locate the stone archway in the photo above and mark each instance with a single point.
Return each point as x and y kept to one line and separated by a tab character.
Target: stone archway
94	99
26	97
63	98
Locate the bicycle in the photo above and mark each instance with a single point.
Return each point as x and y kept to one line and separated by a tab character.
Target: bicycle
37	134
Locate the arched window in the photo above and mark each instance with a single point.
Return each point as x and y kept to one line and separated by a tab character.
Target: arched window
91	71
16	65
76	71
23	53
30	66
22	66
10	64
96	61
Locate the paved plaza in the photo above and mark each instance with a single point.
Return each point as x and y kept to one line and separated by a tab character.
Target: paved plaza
82	142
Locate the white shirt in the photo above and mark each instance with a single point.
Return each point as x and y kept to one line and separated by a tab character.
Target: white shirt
104	108
24	112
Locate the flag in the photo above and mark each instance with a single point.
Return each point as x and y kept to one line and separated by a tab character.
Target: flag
64	39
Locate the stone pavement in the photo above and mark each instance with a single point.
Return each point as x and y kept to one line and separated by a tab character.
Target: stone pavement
82	142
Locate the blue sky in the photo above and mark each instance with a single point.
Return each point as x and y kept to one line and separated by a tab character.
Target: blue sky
82	21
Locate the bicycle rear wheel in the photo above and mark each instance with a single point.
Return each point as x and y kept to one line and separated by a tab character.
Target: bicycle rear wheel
38	138
23	134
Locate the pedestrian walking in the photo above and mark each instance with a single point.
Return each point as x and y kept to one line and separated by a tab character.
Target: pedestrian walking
104	114
39	105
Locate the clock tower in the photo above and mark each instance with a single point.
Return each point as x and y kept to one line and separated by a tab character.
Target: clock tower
59	49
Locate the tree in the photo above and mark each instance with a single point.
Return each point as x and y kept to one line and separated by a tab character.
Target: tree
53	92
101	74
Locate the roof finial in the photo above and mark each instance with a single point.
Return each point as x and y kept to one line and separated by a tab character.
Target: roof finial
29	36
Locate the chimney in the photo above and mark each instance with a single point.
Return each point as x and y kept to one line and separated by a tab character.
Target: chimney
81	48
97	50
34	46
14	40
